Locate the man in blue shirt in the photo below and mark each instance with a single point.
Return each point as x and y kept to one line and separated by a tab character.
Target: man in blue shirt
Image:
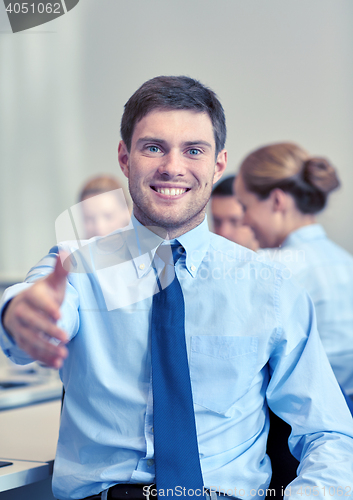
250	332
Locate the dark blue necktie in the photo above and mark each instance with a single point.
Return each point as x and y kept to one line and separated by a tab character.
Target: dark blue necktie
176	451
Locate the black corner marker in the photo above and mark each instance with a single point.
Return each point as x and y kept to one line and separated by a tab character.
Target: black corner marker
70	4
26	15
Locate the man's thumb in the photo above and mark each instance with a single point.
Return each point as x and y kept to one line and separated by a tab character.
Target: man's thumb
57	279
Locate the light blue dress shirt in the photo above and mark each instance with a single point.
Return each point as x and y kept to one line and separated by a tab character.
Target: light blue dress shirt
251	337
325	270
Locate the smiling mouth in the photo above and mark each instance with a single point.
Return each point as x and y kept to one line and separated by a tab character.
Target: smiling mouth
170	191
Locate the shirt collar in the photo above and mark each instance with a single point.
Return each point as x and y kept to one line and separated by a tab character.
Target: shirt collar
142	244
195	243
305	233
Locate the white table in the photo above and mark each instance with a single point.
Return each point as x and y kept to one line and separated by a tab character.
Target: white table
28	438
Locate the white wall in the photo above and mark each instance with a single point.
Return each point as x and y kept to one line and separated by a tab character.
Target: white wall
282	69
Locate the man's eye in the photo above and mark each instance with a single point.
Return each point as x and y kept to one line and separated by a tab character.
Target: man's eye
194	151
153	149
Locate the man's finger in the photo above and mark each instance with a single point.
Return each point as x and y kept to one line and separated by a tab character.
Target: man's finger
31	318
57	279
40	347
40	301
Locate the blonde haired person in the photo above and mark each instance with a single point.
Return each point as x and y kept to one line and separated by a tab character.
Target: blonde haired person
104	207
282	188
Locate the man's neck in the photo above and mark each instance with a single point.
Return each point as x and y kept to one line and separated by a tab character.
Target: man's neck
169	232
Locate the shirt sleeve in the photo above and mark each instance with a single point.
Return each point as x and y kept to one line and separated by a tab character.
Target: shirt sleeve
69	310
303	391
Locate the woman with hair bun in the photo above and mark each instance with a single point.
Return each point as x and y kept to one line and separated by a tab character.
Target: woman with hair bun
282	188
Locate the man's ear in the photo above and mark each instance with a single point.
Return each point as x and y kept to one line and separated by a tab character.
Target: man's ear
279	200
123	157
221	164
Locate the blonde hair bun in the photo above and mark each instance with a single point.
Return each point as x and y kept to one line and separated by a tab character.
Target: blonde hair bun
321	174
287	166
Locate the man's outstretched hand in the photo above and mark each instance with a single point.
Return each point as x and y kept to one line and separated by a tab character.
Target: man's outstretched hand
31	317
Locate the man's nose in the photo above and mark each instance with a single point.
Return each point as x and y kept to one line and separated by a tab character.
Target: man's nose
172	164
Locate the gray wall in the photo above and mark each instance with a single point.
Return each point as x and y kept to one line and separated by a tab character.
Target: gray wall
282	69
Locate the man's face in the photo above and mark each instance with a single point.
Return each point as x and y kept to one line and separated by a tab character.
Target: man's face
171	168
227	214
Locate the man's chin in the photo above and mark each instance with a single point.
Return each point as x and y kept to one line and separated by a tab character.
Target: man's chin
168	222
169	219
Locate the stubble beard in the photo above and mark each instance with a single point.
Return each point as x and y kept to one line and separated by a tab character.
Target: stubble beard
175	224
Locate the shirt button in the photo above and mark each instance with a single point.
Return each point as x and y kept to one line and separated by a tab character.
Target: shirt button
152	430
150	462
142	267
193	268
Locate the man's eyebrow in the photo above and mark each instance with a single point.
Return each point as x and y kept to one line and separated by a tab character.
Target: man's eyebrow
196	142
150	139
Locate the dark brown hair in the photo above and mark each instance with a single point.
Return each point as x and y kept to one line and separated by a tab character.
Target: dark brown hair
224	187
173	92
289	167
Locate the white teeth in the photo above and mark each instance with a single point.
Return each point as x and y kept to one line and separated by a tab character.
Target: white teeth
170	192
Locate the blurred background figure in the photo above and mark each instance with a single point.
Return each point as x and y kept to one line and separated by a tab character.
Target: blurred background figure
227	215
282	188
104	206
